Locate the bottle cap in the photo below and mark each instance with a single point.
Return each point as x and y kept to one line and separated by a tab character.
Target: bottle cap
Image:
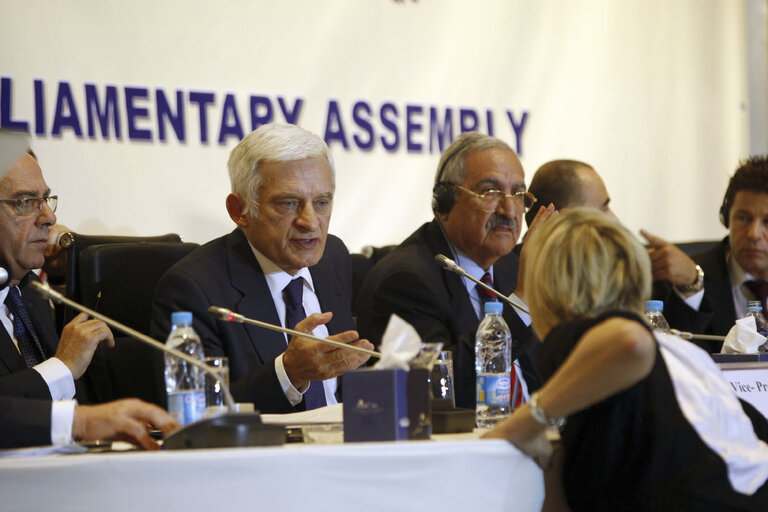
181	318
654	306
754	305
493	307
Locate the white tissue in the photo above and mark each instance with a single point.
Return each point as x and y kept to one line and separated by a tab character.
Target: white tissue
743	338
399	345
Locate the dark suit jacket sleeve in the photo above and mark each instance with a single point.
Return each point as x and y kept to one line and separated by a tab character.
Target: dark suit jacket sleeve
682	317
177	291
407	293
24	384
24	422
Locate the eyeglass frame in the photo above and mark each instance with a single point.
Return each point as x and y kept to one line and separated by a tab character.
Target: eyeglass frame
514	196
17	204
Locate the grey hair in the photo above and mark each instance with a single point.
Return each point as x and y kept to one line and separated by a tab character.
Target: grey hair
275	143
453	160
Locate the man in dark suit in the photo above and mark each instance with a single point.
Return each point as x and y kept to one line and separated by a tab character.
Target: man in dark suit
736	270
279	266
479	200
29	422
34	361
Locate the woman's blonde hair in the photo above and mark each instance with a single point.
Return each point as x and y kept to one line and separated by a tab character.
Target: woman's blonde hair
581	264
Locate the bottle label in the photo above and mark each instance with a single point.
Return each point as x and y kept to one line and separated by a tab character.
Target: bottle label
493	390
187	406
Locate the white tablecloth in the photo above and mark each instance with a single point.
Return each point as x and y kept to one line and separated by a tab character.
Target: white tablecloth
483	476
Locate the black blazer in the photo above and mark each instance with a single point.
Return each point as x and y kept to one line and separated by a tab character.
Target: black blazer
225	273
24	422
15	378
717	313
409	283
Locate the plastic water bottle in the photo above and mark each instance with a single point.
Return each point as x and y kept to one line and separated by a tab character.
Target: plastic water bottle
184	382
656	320
493	365
755	309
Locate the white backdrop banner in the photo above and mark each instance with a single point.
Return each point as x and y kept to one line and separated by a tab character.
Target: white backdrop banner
134	106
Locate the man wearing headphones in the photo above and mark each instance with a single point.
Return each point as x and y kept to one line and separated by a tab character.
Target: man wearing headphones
736	270
478	200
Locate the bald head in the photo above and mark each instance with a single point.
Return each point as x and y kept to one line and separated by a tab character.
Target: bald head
567	184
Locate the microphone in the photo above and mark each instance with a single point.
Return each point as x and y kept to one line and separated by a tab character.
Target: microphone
5	275
227	430
688	335
451	266
225	315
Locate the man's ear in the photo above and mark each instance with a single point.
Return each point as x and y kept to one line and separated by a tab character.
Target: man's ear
235	207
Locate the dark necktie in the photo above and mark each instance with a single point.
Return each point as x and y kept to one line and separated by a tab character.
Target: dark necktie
23	331
485	294
314	397
760	290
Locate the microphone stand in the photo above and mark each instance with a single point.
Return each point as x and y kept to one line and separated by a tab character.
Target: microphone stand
228	430
225	315
689	335
451	266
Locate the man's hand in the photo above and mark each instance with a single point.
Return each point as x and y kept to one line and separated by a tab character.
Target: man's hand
123	420
55	257
543	215
307	360
79	340
669	262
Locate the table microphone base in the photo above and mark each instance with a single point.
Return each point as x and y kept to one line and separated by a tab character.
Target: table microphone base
225	431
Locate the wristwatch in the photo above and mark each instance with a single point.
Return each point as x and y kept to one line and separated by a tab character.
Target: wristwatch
539	414
696	286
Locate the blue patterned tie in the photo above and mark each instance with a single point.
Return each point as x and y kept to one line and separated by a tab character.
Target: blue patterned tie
23	331
314	397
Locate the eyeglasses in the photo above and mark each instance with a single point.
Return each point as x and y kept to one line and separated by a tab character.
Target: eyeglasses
32	205
491	198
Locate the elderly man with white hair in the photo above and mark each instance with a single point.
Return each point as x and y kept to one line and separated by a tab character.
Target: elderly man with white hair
279	266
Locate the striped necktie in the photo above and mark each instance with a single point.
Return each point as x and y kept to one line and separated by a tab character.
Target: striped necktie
23	330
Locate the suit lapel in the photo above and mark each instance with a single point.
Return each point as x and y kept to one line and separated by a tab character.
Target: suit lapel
256	301
9	356
465	318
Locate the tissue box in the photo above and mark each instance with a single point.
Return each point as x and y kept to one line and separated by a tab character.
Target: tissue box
386	405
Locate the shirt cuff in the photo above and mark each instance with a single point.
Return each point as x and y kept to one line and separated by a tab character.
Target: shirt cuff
293	395
524	317
58	377
62	417
694	301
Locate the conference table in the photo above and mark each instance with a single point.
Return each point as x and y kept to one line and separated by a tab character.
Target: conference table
446	473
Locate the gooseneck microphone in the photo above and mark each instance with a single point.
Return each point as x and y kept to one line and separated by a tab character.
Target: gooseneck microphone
232	429
689	335
226	315
45	290
451	266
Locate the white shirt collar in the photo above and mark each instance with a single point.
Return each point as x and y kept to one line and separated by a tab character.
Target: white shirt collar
277	278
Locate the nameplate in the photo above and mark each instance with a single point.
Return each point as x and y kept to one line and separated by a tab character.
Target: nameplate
750	382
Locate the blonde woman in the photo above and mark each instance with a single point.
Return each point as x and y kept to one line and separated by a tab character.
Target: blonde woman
651	423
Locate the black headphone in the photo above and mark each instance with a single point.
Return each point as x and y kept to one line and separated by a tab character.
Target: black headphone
442	193
5	274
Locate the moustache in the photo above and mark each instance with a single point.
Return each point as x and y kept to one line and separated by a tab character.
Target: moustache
497	220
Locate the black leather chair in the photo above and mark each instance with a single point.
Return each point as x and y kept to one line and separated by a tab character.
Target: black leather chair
75	243
119	280
362	264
